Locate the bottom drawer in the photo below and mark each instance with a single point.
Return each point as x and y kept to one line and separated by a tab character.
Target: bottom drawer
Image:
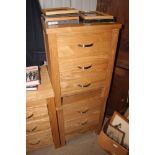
38	140
111	146
80	132
81	125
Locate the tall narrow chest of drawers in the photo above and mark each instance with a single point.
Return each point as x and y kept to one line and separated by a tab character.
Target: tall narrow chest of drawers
80	64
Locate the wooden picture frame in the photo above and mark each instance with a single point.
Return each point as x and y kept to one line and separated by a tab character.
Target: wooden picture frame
95	15
121	123
115	134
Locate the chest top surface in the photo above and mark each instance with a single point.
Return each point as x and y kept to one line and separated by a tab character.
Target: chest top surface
45	89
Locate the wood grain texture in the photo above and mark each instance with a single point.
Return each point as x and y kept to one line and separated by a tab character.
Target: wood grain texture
37	117
37	125
81	45
54	68
61	125
36	112
81	105
38	140
115	34
79	124
53	122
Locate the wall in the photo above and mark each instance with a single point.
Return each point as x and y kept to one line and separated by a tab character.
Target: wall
120	10
85	5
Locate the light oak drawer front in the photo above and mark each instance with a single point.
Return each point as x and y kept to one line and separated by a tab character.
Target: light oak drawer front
88	64
80	124
81	132
38	140
36	103
39	112
91	82
81	106
76	45
37	125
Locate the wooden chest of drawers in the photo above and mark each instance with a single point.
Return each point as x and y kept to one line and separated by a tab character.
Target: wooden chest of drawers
80	64
41	122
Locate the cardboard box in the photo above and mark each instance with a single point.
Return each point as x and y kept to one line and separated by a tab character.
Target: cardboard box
110	145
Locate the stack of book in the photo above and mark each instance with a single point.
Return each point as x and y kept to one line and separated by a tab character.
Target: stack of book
96	17
63	15
32	77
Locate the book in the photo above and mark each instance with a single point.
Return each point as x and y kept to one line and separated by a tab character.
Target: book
32	76
32	88
60	10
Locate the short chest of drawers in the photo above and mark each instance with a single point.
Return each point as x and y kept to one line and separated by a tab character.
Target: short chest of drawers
41	121
80	64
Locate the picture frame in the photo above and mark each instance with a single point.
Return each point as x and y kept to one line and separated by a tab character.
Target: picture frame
120	122
115	134
95	15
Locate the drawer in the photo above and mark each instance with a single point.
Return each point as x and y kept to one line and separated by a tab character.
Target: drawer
79	133
89	64
38	140
81	124
110	145
36	103
82	105
92	81
75	45
38	112
37	125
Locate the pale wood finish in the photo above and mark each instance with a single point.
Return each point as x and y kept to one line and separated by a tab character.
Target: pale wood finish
72	65
80	132
38	140
36	103
39	131
54	68
81	106
37	125
71	46
61	125
115	33
47	19
110	145
36	112
69	87
81	122
59	10
53	122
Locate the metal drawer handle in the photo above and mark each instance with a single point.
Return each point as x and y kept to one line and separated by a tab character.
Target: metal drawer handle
83	112
84	67
85	85
29	116
35	143
85	45
33	129
84	123
115	145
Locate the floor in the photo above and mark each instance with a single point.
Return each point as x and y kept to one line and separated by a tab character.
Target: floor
84	145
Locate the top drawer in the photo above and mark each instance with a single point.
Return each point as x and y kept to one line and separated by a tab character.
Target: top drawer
76	45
